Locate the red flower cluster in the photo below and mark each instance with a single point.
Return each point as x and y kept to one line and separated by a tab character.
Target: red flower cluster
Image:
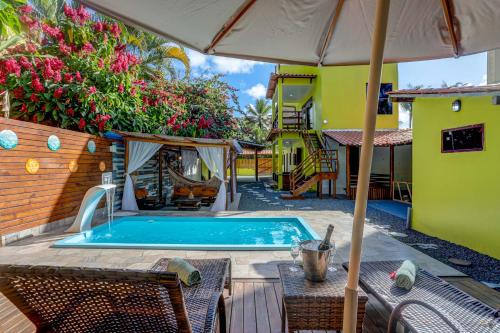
123	61
53	32
205	123
79	15
35	82
101	120
52	69
58	93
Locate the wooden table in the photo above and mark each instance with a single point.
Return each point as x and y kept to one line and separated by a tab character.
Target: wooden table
316	305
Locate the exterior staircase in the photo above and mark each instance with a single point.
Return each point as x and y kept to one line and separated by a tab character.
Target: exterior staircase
320	164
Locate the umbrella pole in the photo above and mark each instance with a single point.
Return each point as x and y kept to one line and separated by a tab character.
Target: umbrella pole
376	60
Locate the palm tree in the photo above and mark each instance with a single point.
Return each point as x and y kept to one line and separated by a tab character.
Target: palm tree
51	10
258	118
158	55
10	25
259	114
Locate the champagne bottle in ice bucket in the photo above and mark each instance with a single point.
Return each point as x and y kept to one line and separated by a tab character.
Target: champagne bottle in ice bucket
325	244
316	256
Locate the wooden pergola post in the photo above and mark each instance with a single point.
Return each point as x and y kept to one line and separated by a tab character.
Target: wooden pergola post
233	174
348	170
256	166
391	169
160	175
376	60
125	162
225	172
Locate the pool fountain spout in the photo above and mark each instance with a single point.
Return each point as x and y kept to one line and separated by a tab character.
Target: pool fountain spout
89	204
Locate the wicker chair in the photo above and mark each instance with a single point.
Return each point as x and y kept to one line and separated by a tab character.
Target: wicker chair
65	299
432	305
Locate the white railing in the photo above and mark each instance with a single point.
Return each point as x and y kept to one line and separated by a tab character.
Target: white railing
402	191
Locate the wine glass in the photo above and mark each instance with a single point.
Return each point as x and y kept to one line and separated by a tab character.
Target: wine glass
331	267
294	252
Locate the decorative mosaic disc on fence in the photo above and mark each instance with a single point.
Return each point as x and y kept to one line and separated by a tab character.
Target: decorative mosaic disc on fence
8	139
91	146
53	143
102	166
73	166
32	166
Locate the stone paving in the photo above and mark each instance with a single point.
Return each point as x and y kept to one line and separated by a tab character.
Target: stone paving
246	264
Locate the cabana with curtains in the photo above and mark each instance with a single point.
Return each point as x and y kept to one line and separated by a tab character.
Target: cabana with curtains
218	155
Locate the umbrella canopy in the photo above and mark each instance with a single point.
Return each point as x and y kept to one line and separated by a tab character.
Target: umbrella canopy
324	32
312	32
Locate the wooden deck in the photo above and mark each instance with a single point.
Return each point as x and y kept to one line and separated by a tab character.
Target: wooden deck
255	307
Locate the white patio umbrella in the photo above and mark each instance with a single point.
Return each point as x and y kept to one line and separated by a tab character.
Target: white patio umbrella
324	32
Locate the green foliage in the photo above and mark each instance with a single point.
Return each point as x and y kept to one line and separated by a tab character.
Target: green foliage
257	121
9	20
77	73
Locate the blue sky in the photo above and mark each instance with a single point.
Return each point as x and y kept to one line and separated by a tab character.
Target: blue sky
251	78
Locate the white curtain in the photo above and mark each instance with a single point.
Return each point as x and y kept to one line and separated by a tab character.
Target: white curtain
214	160
190	163
138	154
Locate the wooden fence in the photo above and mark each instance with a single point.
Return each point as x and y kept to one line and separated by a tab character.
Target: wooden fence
265	164
54	192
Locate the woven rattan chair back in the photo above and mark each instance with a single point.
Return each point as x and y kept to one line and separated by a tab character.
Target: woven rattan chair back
63	299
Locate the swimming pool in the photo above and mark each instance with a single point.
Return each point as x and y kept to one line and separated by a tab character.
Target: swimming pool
194	233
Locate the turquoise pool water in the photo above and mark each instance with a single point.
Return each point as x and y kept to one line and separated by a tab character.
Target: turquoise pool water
194	233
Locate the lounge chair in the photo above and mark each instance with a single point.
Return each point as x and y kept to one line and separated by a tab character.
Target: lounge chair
68	299
432	305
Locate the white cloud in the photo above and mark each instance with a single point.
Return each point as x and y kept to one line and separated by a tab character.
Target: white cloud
484	80
197	59
257	91
233	66
404	118
201	62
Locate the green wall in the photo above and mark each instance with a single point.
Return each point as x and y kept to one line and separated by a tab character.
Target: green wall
339	94
456	196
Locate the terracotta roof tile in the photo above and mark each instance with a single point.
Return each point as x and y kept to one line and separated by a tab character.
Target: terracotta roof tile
491	89
383	138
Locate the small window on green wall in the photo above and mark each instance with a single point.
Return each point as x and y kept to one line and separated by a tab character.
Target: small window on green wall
463	139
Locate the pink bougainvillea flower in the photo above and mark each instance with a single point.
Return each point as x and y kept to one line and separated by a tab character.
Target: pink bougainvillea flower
34	118
65	49
99	26
58	93
53	32
132	91
25	63
121	88
31	48
27	9
115	30
101	63
13	67
81	124
92	107
70	112
88	47
78	76
68	78
18	92
92	90
34	98
24	108
30	22
83	15
70	13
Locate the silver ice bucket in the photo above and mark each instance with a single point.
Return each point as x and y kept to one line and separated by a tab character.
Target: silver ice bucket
315	261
